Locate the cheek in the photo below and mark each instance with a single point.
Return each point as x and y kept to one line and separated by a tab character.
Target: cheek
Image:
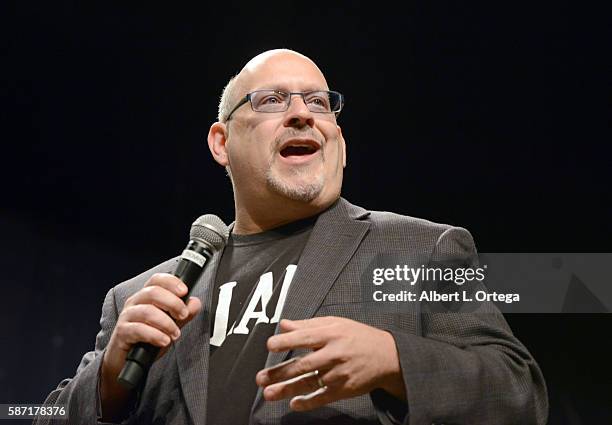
334	153
248	156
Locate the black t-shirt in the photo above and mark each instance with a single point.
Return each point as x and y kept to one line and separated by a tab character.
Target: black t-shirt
252	281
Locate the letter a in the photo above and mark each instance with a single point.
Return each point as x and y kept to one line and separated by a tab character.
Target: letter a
263	292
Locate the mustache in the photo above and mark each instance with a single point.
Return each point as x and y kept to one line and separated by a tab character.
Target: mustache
297	134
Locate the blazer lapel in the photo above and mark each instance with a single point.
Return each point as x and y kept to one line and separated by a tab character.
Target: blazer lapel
335	238
192	348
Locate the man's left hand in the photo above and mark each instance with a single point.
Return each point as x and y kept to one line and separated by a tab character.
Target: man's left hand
348	359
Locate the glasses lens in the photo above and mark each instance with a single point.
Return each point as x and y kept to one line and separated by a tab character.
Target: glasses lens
269	101
335	101
323	101
317	101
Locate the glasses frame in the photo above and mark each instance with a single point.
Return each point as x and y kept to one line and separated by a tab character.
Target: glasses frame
247	98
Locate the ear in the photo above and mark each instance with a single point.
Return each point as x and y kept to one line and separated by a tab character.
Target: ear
217	140
342	146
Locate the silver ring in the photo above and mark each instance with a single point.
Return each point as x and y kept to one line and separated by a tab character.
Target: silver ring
319	381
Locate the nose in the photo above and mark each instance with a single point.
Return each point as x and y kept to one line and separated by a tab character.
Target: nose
298	115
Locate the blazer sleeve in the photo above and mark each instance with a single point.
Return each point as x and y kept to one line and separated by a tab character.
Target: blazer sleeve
80	394
468	367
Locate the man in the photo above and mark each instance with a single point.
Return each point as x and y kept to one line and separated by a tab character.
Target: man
298	252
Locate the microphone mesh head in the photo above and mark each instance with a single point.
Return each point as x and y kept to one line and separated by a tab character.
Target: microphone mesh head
210	228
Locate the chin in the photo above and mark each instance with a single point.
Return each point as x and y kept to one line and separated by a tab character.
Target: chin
303	190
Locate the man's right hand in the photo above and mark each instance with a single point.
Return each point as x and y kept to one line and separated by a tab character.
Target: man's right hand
147	316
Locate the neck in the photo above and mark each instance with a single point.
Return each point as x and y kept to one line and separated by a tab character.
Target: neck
258	217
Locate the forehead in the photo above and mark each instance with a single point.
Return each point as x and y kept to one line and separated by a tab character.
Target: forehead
283	71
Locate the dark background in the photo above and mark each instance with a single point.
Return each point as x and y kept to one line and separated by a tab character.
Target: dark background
494	117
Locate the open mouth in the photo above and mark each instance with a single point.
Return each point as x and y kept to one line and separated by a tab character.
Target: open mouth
299	148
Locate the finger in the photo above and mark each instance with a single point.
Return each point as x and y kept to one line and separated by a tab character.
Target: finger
300	385
287	325
152	316
194	306
301	338
169	282
130	333
314	400
161	298
318	360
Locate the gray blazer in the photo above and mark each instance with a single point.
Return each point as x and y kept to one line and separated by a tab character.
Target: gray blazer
465	368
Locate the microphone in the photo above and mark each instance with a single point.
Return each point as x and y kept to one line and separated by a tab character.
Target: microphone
208	235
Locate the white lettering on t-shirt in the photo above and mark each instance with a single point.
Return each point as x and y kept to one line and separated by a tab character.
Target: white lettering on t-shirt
261	296
222	313
284	289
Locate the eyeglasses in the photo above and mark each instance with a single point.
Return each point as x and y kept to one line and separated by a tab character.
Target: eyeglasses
320	101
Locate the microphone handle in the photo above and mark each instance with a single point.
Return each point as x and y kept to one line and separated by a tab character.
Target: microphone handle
142	355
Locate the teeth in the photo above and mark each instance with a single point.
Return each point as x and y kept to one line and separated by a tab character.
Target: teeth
301	146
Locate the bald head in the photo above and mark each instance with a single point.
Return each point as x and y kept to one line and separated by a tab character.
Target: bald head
260	72
271	55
